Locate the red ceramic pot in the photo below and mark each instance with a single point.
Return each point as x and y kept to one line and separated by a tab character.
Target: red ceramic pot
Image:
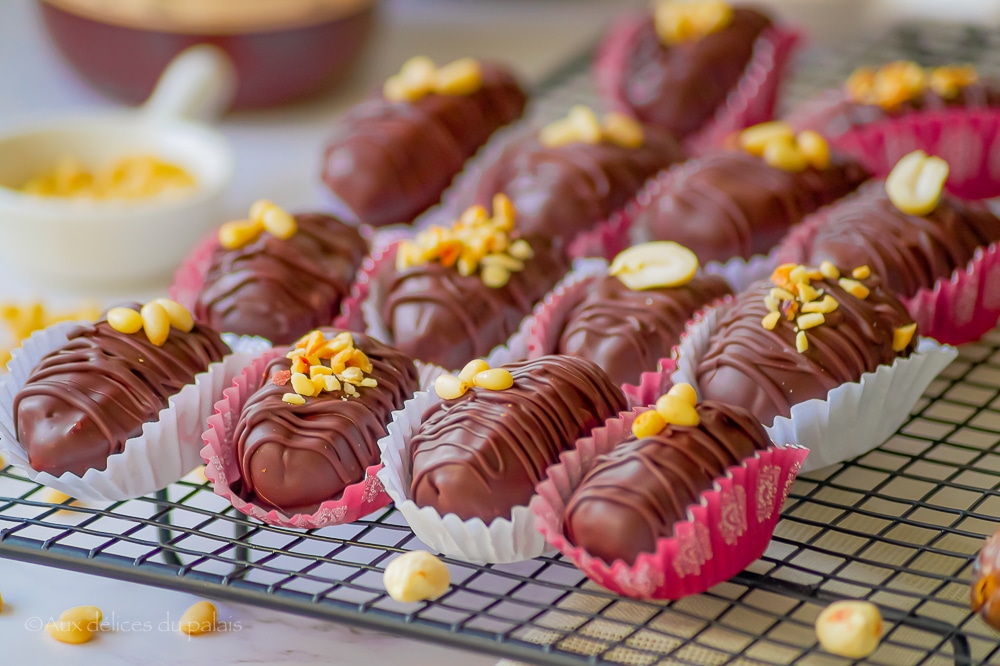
283	50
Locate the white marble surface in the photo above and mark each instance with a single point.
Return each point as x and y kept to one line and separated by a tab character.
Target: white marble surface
277	156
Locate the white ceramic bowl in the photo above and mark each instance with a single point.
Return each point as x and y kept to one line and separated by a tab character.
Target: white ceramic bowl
76	241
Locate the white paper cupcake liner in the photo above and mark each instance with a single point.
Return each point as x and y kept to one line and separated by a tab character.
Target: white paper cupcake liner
167	449
855	417
502	541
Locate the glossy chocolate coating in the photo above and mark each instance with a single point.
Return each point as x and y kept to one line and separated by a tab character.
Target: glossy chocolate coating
679	87
760	370
480	455
282	289
627	332
562	191
732	204
83	401
294	457
634	495
911	252
835	112
439	316
387	162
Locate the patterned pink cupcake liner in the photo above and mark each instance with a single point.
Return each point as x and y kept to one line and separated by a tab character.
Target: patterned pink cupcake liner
955	310
968	139
550	318
358	311
751	101
223	469
728	529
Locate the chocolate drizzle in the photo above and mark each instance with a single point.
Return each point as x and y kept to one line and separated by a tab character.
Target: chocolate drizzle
748	366
294	457
731	204
480	455
440	316
83	401
559	192
634	495
627	332
389	161
282	289
911	252
680	87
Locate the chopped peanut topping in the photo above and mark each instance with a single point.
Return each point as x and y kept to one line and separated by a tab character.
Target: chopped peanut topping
310	377
475	373
648	424
778	145
264	216
795	299
155	319
675	407
419	77
679	21
898	82
582	126
475	242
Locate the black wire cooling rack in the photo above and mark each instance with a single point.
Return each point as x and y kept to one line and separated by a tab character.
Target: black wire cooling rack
898	526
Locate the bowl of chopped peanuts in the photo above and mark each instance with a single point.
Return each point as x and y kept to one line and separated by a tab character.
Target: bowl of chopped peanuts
122	196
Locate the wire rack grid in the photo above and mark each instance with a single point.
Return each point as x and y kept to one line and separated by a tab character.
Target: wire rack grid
898	526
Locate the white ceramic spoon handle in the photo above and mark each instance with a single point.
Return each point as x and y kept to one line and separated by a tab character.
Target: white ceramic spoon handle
198	84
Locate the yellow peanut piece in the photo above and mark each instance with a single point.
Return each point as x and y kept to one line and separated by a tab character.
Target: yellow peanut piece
623	130
861	273
685	392
124	320
495	379
850	629
476	242
581	125
801	342
677	411
450	387
812	320
854	288
416	576
237	233
784	156
915	184
88	617
131	177
279	223
829	271
949	81
756	138
324	366
770	320
889	86
655	265
648	424
814	148
200	618
179	316
155	323
473	368
69	632
902	336
679	21
420	76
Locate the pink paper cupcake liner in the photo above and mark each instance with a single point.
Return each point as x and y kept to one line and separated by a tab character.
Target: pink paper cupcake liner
550	316
955	310
728	529
358	312
751	101
968	139
223	469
